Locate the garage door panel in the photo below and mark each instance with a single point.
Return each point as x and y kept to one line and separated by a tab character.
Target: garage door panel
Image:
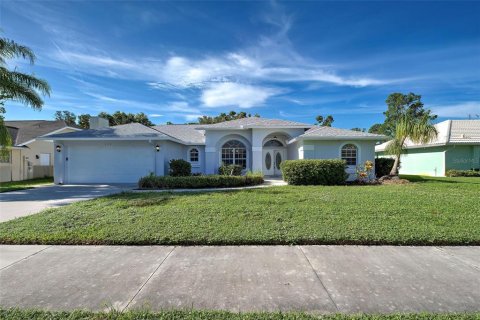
109	162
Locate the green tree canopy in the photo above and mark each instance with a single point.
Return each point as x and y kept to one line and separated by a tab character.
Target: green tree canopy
401	105
232	115
67	116
84	121
377	128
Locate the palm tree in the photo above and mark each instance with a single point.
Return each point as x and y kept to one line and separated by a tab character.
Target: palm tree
17	86
417	130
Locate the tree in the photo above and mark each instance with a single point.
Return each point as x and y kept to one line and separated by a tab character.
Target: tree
232	115
324	122
400	105
17	86
67	116
377	128
416	129
84	121
143	119
358	129
120	117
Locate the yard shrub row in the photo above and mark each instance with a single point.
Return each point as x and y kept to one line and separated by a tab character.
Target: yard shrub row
314	172
197	182
462	173
383	166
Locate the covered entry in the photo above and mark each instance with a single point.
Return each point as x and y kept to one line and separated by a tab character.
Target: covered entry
274	152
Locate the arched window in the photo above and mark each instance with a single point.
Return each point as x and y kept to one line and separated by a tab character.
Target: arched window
234	152
273	143
349	154
193	155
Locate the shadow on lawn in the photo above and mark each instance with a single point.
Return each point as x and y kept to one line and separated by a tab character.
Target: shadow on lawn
426	179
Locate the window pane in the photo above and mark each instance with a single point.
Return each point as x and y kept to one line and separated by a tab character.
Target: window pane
194	155
349	154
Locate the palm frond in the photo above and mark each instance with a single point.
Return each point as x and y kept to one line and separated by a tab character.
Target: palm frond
26	80
18	92
10	49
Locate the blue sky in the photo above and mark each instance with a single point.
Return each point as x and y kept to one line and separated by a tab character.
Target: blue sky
290	60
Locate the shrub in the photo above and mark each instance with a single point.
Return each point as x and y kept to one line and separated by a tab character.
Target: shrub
180	168
383	166
462	173
230	170
196	182
314	172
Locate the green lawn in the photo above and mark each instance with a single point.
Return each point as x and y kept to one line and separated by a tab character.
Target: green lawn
16	314
25	184
427	212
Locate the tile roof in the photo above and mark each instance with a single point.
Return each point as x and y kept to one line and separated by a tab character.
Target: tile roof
26	130
124	131
319	132
255	122
464	131
184	132
449	132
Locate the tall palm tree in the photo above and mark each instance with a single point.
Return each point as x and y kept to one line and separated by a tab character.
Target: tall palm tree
417	130
18	86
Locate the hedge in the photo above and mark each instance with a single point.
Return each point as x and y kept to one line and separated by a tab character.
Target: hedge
383	166
198	182
462	173
230	170
314	172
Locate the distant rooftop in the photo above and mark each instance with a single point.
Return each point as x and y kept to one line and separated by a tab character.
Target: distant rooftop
449	132
22	131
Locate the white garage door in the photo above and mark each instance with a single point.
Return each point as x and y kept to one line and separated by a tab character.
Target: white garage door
109	162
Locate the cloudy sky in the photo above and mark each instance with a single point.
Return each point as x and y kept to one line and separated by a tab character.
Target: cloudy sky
177	60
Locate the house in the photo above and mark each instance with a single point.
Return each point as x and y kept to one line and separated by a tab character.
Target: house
457	146
29	157
124	153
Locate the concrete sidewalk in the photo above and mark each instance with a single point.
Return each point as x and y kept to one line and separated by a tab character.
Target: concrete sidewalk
322	279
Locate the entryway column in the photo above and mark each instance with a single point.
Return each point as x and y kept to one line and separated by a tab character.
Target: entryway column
257	158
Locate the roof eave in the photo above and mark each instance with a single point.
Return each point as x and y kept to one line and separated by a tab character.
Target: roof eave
323	138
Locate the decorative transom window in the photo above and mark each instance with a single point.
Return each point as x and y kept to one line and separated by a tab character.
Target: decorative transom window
273	143
234	152
194	154
349	154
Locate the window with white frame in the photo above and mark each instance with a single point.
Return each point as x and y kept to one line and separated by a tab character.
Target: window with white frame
194	155
349	154
234	152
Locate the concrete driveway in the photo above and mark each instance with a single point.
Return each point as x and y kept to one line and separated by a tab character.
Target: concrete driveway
26	202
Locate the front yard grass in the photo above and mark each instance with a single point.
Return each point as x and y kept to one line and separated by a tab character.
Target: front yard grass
18	314
430	211
25	184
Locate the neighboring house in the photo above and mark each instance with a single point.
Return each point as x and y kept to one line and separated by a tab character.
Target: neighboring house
30	158
125	153
457	146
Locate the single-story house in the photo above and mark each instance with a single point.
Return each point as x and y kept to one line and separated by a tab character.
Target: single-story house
29	157
124	153
457	146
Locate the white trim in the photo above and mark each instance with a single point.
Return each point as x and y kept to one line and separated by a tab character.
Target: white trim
342	138
194	163
359	154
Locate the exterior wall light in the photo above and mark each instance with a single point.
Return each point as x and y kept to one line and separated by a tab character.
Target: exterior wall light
58	148
157	147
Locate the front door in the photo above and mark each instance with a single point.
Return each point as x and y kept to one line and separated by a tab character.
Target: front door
271	161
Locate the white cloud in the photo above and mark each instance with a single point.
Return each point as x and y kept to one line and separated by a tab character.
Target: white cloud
155	115
460	110
236	94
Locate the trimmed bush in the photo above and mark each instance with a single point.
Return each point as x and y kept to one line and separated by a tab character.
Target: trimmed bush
180	168
314	172
230	170
383	166
197	182
462	173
